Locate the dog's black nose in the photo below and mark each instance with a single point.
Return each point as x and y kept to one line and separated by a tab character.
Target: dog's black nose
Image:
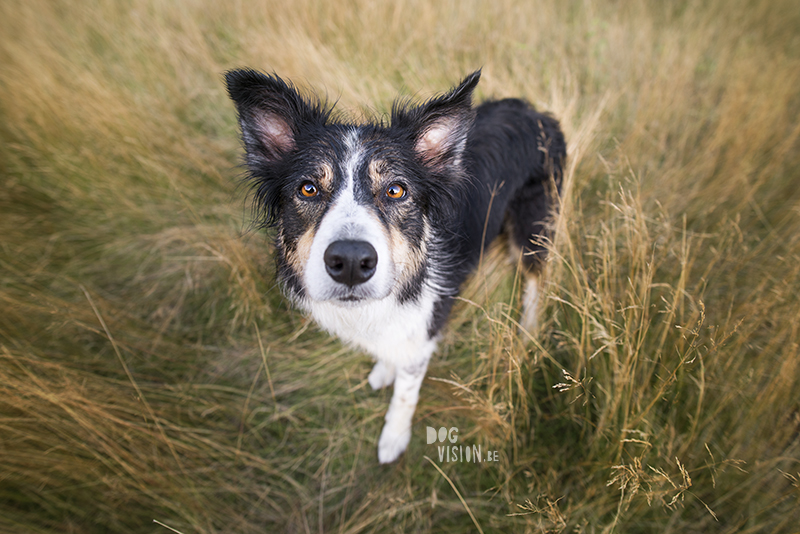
350	262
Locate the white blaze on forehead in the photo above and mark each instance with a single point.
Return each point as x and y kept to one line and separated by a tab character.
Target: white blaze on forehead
345	194
345	211
352	158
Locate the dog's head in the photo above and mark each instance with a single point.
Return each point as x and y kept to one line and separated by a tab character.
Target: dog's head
353	204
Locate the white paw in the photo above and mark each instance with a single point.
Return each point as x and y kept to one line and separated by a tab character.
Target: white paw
382	375
392	443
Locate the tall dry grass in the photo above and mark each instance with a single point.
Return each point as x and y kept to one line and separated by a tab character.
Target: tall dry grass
150	370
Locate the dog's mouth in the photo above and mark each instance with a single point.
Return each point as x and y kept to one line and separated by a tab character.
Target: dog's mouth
353	298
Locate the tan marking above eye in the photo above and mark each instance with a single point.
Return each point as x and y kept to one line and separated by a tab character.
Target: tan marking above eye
377	169
325	178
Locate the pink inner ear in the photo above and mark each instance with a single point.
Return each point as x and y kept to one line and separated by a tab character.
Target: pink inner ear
436	139
276	134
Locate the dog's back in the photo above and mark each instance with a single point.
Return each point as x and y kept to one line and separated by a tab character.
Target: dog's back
513	153
514	158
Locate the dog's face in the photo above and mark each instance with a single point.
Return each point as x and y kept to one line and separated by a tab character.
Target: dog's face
353	204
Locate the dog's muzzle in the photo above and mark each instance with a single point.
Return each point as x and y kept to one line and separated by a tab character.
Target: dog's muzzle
350	262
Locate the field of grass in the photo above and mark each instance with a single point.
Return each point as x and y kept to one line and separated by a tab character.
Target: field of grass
152	377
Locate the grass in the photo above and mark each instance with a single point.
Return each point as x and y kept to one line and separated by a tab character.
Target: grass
151	371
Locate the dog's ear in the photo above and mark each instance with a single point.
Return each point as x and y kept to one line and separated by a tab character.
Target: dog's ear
439	127
271	113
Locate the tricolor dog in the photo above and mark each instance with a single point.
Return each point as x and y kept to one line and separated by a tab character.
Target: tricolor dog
377	225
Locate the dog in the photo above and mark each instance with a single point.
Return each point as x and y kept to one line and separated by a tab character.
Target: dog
377	225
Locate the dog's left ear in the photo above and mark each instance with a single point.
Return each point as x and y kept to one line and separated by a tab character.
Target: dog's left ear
440	126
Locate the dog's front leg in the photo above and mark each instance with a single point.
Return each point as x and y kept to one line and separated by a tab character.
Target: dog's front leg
397	431
382	375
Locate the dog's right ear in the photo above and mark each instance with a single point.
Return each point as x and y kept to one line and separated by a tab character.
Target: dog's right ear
271	113
439	127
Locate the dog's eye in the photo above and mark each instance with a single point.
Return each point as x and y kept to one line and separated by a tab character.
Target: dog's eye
308	189
395	191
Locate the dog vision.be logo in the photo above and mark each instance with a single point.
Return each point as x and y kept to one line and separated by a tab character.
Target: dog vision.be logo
451	452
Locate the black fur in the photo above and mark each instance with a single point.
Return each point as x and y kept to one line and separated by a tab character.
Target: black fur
513	155
514	152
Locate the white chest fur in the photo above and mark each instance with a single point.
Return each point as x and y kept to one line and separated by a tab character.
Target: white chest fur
389	331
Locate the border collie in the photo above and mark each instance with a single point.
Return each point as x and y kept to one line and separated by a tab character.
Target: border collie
377	225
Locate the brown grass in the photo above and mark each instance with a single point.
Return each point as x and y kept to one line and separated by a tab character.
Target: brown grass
150	370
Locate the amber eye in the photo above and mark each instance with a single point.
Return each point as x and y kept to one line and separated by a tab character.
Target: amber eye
395	191
308	189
